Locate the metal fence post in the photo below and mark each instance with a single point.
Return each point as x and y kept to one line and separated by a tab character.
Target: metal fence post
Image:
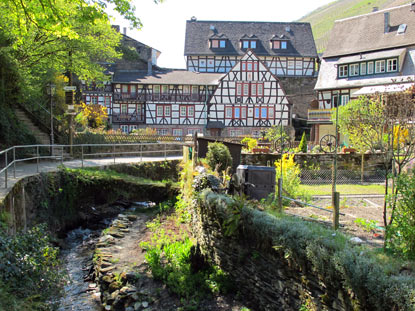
82	156
113	152
336	209
280	194
165	152
5	172
141	153
62	156
37	158
14	162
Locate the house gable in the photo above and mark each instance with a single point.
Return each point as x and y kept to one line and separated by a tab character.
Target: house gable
249	95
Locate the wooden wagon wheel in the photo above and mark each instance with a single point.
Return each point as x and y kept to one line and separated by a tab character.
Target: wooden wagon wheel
328	143
286	145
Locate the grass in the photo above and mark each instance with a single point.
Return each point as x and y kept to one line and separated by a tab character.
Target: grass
343	189
322	19
110	174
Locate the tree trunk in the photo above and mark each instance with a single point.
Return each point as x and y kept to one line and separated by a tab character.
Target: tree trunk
362	168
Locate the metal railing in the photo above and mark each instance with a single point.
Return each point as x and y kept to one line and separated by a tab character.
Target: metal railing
82	152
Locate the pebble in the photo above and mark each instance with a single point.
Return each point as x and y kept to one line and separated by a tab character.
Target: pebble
145	304
356	240
137	306
92	285
108	308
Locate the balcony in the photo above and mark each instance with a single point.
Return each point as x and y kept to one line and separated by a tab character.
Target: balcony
95	89
160	97
319	116
128	118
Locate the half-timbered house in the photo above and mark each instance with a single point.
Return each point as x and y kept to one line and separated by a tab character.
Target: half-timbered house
174	102
249	98
286	49
365	54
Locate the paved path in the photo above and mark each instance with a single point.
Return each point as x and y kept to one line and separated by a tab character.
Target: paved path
25	169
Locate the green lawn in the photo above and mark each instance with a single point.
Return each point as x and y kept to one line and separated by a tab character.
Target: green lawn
343	189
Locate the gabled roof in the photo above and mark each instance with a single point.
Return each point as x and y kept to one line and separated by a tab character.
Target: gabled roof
366	32
299	35
168	76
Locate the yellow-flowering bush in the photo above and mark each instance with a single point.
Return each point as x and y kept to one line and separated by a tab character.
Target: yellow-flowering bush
93	115
290	175
250	143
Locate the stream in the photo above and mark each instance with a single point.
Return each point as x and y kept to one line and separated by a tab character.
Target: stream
76	257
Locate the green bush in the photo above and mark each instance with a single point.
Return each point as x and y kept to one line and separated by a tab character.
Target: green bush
372	281
29	268
218	156
303	144
400	234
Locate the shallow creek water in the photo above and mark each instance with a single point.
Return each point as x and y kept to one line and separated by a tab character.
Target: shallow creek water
78	294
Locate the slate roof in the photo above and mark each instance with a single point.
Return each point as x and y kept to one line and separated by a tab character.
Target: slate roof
169	76
299	35
327	77
366	32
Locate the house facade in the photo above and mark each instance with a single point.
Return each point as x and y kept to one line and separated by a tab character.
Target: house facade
174	102
287	50
366	54
248	99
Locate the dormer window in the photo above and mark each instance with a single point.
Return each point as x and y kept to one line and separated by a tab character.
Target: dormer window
248	44
279	44
217	43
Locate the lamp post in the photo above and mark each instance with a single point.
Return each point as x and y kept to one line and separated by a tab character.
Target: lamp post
51	91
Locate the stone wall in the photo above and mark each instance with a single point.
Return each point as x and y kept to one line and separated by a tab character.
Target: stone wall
349	161
300	92
283	264
66	199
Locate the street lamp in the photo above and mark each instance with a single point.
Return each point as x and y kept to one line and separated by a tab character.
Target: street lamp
51	91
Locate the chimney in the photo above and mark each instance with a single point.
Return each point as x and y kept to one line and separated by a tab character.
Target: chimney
375	9
124	30
149	66
386	24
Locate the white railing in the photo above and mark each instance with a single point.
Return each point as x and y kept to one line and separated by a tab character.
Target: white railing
81	152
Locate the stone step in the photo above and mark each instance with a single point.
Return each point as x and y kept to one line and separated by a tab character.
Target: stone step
39	135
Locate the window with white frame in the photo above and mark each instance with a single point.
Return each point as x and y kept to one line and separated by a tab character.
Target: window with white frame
107	101
353	70
132	128
195	92
380	66
165	89
228	112
270	112
156	89
125	88
343	71
238	89
94	100
392	65
264	112
177	132
183	111
190	111
362	69
124	128
246	89
187	111
344	99
370	68
162	132
235	112
186	89
163	110
124	109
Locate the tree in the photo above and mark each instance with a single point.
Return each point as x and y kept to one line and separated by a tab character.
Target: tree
303	144
383	124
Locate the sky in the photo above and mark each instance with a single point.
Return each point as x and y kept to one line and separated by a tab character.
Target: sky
164	24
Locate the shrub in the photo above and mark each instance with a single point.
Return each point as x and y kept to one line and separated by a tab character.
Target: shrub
290	175
29	266
303	144
218	156
400	234
251	143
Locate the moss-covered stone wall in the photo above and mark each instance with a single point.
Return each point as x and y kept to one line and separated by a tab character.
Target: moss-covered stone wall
287	264
67	198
